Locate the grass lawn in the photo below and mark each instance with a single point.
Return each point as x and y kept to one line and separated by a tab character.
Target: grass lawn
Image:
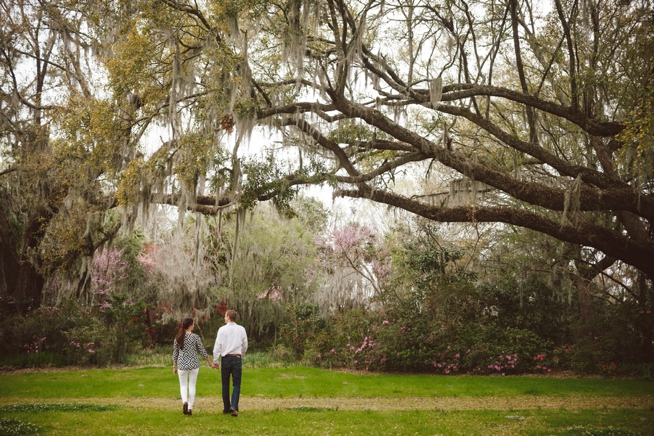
307	382
301	400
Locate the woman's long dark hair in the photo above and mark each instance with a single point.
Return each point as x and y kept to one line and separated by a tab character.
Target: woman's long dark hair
181	333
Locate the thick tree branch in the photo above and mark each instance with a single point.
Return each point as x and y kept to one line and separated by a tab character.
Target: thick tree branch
325	142
293	108
634	252
384	168
589	125
622	197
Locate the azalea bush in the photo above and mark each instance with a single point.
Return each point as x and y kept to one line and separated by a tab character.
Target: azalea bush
78	335
301	325
619	334
374	340
39	331
494	349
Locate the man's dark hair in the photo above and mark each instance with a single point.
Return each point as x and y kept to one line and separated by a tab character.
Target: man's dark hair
232	315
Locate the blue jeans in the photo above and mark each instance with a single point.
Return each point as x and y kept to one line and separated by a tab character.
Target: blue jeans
231	365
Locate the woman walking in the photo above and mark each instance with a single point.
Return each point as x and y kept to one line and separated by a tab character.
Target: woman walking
185	362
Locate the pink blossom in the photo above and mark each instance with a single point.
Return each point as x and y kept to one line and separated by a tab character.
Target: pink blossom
273	293
91	351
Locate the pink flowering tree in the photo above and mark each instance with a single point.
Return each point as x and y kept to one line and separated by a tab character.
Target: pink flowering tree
356	249
108	274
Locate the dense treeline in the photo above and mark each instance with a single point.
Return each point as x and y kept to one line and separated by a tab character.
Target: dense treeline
350	297
512	141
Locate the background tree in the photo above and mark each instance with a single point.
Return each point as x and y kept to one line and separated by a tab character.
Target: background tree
50	189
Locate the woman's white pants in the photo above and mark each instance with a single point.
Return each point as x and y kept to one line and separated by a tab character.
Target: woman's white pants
187	380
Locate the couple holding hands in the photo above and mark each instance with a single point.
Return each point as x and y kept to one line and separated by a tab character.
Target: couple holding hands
231	345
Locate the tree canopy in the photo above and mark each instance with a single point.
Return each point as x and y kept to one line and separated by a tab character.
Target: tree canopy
533	115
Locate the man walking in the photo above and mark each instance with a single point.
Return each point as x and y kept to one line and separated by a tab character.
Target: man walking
231	345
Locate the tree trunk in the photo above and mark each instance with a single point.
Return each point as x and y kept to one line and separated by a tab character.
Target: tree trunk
587	310
583	280
643	291
28	290
8	255
19	279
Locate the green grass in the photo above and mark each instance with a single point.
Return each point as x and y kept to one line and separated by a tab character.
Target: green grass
305	382
289	422
55	413
32	360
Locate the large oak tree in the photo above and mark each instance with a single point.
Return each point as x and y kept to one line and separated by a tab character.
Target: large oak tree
514	112
540	109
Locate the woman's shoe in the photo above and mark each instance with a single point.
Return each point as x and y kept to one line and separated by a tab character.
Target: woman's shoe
190	412
185	410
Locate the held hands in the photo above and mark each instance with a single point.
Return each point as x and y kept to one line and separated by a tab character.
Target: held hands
215	365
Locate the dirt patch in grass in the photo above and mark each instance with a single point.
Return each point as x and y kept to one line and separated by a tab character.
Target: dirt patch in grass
376	404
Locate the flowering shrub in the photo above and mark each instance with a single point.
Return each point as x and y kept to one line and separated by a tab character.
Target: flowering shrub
300	327
499	350
38	331
561	356
374	340
611	369
79	335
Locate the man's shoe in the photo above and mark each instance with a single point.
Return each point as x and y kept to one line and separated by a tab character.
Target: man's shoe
185	409
234	412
